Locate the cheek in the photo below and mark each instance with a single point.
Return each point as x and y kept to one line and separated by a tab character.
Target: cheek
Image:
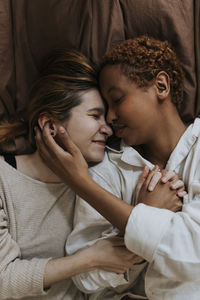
82	131
125	112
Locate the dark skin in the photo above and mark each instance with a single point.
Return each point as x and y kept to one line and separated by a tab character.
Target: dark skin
73	169
150	119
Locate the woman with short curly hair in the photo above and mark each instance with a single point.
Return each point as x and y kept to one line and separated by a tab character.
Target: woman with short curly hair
143	58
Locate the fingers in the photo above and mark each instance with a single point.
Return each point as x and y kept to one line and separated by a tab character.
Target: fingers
169	175
49	140
116	241
155	179
181	194
152	178
45	140
137	259
145	173
39	142
65	140
180	187
177	185
179	205
142	179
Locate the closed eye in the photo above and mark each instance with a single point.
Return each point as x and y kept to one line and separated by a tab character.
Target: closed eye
118	100
95	116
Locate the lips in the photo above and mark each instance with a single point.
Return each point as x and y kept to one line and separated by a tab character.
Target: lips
119	129
100	142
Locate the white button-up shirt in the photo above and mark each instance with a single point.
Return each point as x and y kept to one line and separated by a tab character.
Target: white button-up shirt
118	174
169	241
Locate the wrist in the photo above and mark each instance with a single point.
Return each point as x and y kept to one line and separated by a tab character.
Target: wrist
88	259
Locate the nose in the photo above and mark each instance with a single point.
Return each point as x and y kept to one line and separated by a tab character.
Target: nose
106	129
111	116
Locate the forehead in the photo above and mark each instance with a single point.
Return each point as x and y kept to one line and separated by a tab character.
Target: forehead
90	99
111	78
110	73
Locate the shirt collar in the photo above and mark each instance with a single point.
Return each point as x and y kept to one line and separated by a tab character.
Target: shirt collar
128	155
184	145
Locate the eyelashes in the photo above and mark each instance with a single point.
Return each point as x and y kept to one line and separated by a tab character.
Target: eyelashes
118	100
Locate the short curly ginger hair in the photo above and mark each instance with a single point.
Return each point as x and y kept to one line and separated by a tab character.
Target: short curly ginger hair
142	58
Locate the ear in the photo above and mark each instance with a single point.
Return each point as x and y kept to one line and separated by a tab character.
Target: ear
162	83
43	119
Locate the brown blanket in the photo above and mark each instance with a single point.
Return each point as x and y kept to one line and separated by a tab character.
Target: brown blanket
29	30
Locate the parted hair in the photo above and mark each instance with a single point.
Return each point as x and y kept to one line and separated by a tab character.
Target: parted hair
64	75
142	58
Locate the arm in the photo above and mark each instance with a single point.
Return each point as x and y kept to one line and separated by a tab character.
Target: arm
170	242
73	169
29	277
148	221
90	226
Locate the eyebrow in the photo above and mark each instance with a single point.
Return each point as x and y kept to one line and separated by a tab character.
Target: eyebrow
98	109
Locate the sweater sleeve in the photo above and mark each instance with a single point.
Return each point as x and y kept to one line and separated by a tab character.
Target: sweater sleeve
18	277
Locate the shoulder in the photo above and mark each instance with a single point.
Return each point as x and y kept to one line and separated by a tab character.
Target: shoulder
107	175
106	168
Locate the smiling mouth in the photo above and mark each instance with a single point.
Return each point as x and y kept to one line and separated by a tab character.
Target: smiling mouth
100	143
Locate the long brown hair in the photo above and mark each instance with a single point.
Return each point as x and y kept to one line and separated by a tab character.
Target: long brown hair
64	75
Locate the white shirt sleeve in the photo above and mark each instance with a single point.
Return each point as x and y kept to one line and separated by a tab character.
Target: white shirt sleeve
90	226
169	241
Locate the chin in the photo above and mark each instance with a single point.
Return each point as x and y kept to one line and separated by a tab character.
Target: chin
133	139
95	159
128	141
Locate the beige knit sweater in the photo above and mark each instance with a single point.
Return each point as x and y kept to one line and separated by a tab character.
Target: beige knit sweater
35	220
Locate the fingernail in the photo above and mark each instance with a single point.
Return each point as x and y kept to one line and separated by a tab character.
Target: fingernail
150	188
164	179
182	194
175	185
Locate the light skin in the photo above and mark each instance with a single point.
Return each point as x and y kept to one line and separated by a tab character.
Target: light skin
88	122
87	126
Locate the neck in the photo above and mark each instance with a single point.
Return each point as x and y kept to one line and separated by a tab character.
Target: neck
33	166
167	134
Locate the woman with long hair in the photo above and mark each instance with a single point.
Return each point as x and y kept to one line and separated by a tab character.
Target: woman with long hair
36	207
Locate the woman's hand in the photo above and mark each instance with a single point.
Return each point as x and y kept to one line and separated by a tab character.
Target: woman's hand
111	255
108	254
66	161
160	189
